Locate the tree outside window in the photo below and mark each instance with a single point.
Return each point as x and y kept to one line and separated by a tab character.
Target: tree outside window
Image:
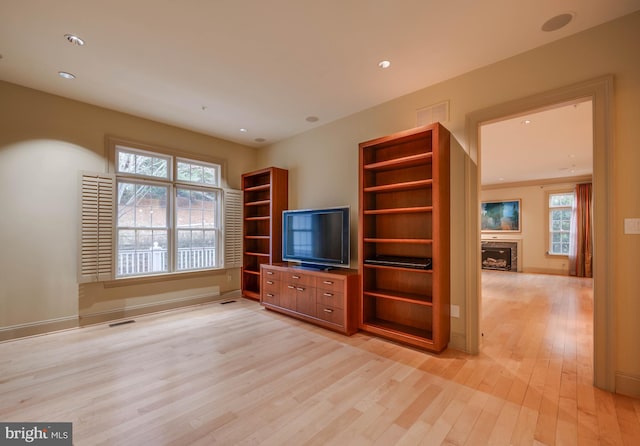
166	223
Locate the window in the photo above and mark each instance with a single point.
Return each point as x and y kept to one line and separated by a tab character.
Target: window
560	210
197	228
166	224
199	173
142	228
142	163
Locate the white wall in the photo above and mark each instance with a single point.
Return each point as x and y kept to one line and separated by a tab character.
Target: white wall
45	141
534	224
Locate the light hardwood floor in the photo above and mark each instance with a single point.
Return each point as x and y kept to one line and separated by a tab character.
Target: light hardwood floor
238	374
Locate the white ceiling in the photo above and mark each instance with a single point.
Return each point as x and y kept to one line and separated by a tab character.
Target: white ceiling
221	65
547	144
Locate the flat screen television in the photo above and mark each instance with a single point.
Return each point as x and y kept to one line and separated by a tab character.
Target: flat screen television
317	238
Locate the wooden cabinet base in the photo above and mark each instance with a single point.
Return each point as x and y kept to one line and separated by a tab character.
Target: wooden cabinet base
329	299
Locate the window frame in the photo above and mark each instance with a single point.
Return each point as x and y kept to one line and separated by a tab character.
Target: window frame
116	146
549	233
195	162
217	228
166	157
167	227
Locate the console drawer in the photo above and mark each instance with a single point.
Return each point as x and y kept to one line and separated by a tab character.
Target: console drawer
330	314
330	298
271	274
271	291
330	284
271	285
296	278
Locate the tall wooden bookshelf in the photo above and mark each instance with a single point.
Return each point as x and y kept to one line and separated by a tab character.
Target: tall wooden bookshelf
265	195
404	225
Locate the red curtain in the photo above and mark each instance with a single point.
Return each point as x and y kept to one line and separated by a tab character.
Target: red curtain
581	241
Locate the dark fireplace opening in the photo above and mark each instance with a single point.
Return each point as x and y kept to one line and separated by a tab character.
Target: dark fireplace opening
496	258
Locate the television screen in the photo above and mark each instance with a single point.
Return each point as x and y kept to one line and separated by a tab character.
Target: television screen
316	236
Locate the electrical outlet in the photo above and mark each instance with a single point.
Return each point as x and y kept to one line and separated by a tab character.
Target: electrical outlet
228	277
455	310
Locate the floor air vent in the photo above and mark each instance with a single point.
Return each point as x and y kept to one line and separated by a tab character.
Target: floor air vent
227	302
115	324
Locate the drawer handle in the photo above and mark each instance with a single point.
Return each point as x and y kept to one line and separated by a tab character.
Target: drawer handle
328	294
299	288
270	273
291	287
270	295
328	310
328	282
269	282
295	277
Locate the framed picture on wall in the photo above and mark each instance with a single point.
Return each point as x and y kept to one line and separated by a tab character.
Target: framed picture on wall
500	216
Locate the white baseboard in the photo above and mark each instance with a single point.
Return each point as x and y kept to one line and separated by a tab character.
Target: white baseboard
38	328
12	332
628	385
147	308
458	341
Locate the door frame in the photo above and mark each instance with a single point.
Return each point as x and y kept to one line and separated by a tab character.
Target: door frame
600	91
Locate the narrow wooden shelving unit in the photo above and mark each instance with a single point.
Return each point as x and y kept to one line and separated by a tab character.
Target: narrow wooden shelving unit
265	196
404	237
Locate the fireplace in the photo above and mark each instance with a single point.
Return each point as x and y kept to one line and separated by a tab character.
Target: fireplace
496	258
500	255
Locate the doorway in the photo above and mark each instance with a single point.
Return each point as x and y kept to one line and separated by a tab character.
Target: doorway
526	161
599	91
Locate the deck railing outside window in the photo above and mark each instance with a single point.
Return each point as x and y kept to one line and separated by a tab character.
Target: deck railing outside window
132	262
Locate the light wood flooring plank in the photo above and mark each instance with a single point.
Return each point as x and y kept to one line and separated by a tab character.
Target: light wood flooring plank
237	374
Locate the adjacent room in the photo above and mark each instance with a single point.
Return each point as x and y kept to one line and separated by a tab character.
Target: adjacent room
341	223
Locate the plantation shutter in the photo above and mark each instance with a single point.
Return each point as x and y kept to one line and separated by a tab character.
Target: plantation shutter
232	228
97	227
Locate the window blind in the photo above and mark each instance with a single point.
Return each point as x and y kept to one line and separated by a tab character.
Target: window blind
97	227
232	228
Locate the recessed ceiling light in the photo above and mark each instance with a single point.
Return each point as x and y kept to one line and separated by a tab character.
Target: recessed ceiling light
557	22
74	39
66	75
312	119
384	64
243	130
526	121
259	140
